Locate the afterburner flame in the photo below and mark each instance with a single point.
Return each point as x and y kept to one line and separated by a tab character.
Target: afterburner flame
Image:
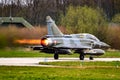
28	41
44	42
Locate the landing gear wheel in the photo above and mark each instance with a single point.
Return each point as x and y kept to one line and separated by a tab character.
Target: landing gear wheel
56	56
81	56
91	58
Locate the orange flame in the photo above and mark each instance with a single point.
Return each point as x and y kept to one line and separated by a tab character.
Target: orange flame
28	41
44	42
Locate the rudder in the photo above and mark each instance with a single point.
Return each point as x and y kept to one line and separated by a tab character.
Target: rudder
52	27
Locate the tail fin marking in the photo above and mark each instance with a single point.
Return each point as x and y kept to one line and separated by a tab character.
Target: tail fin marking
52	27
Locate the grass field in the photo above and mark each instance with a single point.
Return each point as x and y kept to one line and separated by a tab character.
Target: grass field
83	64
18	52
67	70
44	73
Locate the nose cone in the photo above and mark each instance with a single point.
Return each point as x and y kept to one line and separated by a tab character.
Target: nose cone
101	45
104	45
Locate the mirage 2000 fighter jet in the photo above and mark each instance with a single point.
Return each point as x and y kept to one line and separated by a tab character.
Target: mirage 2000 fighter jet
58	43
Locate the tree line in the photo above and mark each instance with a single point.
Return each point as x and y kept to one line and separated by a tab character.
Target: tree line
35	11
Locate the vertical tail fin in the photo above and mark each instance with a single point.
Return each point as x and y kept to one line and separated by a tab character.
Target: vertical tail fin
52	27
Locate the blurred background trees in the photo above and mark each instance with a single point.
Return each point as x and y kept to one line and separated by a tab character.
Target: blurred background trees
83	19
35	11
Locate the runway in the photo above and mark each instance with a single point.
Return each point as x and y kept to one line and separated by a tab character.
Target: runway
35	61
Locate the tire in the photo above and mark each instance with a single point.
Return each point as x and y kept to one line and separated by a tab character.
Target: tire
91	58
81	57
56	56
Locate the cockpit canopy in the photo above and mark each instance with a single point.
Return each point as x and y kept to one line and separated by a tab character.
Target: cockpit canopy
85	36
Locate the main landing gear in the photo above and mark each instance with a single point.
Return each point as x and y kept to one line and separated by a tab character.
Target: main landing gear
56	56
81	57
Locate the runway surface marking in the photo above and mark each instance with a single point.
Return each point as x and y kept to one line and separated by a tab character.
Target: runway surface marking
35	61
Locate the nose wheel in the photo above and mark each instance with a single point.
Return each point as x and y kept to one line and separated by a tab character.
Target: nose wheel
91	58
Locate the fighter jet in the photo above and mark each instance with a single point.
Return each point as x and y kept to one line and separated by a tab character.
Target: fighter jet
58	43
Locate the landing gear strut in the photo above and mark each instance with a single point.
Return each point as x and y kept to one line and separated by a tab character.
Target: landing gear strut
56	55
81	56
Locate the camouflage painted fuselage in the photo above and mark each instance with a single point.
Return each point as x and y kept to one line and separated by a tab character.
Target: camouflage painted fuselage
83	43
